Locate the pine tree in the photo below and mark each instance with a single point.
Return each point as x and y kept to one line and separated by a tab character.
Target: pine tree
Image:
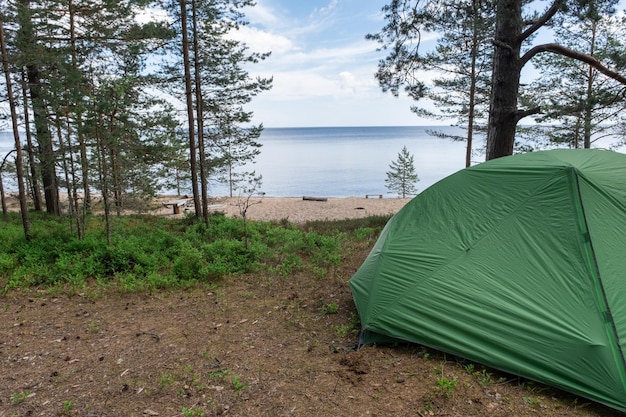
16	136
516	22
215	86
402	177
462	62
579	104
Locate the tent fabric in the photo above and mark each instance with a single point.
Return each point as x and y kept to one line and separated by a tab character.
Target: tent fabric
518	263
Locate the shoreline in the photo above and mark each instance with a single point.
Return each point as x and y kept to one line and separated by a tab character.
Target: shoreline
296	210
302	209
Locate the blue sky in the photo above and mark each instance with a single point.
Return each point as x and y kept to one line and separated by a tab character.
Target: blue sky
323	67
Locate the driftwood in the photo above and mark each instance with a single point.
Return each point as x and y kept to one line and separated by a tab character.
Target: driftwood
314	198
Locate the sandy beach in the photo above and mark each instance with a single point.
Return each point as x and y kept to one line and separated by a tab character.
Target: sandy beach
299	210
293	209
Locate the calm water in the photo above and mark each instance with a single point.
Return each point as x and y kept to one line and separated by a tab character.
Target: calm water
349	161
341	161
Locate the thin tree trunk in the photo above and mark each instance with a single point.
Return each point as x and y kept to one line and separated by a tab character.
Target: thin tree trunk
18	146
190	115
472	93
84	161
3	200
230	174
588	112
81	139
36	194
116	185
78	212
200	118
70	177
103	175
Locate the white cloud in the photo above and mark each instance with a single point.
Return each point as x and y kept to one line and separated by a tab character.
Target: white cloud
322	66
328	9
347	80
263	41
261	14
297	85
362	84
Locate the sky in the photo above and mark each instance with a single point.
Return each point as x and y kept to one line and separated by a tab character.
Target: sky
323	67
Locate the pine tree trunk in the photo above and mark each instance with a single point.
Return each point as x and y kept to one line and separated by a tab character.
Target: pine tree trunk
44	136
503	116
588	115
3	201
18	146
81	139
36	191
190	115
200	119
472	93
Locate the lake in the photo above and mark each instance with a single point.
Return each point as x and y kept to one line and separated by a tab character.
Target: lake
349	161
341	161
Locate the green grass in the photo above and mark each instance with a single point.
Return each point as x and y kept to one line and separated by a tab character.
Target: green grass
151	253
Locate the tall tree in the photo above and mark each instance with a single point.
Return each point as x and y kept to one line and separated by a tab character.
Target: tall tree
34	177
189	102
202	151
216	86
461	59
34	57
579	104
16	136
233	147
68	48
512	33
232	137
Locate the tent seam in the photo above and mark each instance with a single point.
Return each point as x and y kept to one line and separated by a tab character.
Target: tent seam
608	315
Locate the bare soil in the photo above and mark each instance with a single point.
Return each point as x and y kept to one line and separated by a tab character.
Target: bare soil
253	346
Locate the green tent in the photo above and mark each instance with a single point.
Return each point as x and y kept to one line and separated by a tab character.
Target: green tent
518	263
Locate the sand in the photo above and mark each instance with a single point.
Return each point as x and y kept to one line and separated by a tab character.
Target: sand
298	210
293	209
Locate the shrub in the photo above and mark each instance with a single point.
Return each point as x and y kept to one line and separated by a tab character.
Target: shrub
149	252
188	265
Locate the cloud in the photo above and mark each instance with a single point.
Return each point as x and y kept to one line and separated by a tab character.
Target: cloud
348	81
310	83
331	6
322	66
262	41
260	14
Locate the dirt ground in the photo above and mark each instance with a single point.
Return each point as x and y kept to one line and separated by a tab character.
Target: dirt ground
254	345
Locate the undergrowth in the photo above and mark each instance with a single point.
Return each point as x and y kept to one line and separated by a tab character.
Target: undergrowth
149	252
